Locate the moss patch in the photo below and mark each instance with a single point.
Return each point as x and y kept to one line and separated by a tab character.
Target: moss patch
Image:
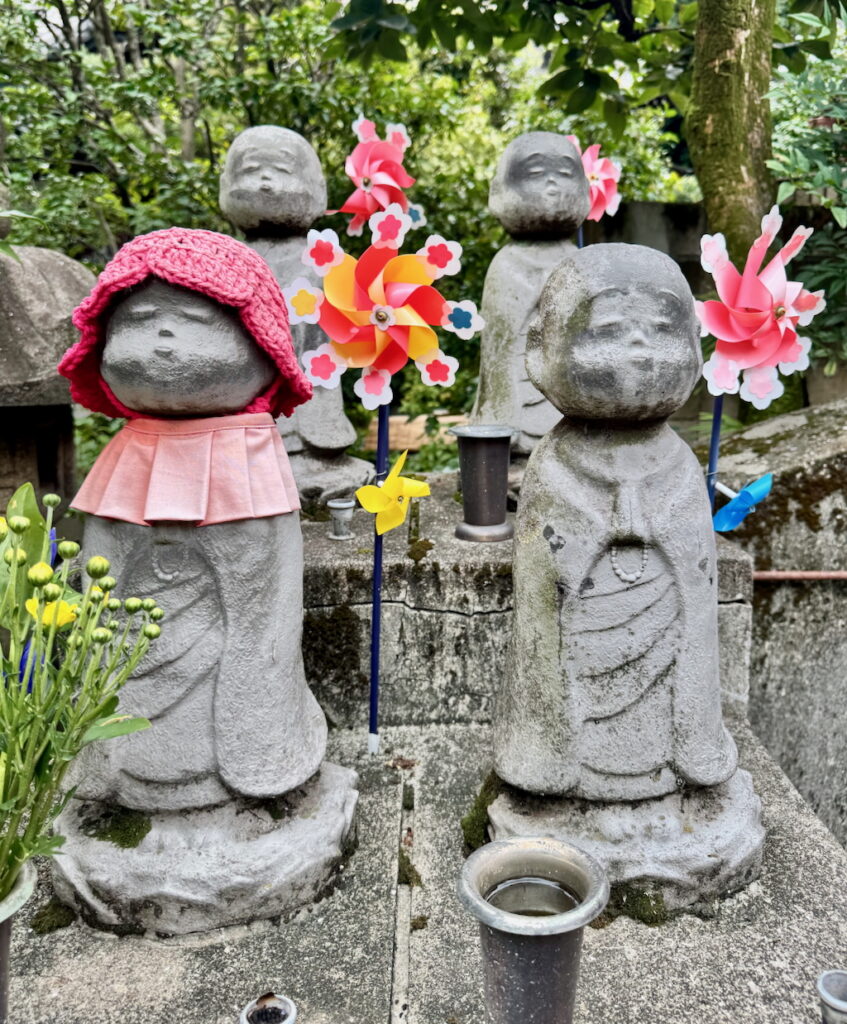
118	825
645	905
408	796
52	916
419	549
475	822
419	922
407	873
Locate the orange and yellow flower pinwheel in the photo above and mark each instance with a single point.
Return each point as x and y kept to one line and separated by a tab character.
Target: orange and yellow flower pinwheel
390	500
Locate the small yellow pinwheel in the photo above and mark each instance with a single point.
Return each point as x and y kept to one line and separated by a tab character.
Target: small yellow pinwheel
390	500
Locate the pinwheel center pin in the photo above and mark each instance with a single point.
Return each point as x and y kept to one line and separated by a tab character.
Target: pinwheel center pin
779	311
367	184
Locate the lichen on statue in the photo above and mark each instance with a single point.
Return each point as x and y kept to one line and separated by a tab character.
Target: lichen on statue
273	188
612	688
540	195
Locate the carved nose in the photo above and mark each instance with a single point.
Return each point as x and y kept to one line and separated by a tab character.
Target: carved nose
165	332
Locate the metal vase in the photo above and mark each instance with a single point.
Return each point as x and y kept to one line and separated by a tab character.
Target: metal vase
531	952
21	892
484	469
340	517
271	1008
832	990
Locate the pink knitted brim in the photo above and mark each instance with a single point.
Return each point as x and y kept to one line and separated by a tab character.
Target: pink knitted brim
214	265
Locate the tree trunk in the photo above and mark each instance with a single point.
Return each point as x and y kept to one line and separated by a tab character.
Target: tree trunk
728	127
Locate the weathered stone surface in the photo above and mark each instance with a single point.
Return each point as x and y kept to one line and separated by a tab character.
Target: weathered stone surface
38	293
273	187
540	195
611	690
196	870
799	651
453	609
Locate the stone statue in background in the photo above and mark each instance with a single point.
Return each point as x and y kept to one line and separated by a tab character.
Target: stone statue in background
540	196
194	504
611	693
272	187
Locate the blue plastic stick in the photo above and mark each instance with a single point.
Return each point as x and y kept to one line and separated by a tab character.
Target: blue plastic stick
714	447
579	241
381	474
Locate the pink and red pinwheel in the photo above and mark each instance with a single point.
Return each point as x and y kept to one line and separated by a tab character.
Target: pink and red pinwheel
756	316
603	175
379	311
376	169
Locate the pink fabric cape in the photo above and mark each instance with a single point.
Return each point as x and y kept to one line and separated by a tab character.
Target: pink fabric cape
203	471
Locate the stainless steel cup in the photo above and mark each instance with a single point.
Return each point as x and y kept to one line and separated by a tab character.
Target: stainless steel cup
340	517
484	469
532	898
271	1008
832	989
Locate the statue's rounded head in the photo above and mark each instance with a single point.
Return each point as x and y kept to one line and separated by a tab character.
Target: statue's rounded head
540	189
272	176
185	323
616	336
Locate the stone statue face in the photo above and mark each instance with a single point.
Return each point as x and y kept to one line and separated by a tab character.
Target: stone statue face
174	352
540	189
272	176
616	336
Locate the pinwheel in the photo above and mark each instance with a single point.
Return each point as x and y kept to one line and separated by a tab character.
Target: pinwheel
741	503
376	169
603	176
754	321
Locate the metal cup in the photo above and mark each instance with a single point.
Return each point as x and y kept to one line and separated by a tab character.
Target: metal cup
340	517
484	469
832	989
519	890
270	1008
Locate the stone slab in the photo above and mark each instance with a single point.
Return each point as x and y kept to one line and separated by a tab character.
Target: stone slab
447	617
750	959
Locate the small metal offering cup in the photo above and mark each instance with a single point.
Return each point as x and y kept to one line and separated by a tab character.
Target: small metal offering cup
832	991
484	471
340	517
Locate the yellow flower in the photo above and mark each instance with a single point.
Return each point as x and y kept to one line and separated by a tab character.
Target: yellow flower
63	612
304	302
390	501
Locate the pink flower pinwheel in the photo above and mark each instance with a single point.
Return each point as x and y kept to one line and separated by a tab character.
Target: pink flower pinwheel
756	316
376	169
379	312
603	175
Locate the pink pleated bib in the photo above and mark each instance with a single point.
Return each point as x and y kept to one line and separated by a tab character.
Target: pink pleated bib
204	471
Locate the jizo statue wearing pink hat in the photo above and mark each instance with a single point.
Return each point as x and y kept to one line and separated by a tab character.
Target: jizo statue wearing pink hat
186	334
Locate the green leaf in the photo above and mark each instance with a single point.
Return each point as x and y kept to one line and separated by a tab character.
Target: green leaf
786	189
580	99
807	19
389	46
840	215
116	725
564	81
664	10
614	113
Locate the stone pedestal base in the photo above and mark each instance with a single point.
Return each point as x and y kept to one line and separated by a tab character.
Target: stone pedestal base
197	870
680	849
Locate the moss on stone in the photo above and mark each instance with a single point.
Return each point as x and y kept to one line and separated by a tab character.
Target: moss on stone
408	796
52	916
642	904
419	922
407	873
120	826
419	549
475	822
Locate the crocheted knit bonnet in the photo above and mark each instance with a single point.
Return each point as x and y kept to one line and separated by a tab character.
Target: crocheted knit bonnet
215	265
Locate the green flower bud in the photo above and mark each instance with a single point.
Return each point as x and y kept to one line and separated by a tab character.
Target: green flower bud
112	624
4	528
68	549
18	524
16	555
101	635
76	640
148	604
52	500
113	604
97	567
151	631
40	574
96	595
108	583
52	592
132	605
157	614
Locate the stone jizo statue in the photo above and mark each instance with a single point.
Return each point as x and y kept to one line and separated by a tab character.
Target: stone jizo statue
540	196
194	504
611	691
272	187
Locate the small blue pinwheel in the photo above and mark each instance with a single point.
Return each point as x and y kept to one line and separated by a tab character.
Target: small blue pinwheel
741	502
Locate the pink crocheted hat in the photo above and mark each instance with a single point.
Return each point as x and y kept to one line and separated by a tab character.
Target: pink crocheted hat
214	265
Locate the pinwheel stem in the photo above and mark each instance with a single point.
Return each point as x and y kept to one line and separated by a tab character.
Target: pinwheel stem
714	447
376	615
579	241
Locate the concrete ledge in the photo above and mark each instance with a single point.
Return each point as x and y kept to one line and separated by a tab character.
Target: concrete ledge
447	618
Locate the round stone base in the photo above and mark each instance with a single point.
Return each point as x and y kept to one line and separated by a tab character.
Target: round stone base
197	870
685	847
